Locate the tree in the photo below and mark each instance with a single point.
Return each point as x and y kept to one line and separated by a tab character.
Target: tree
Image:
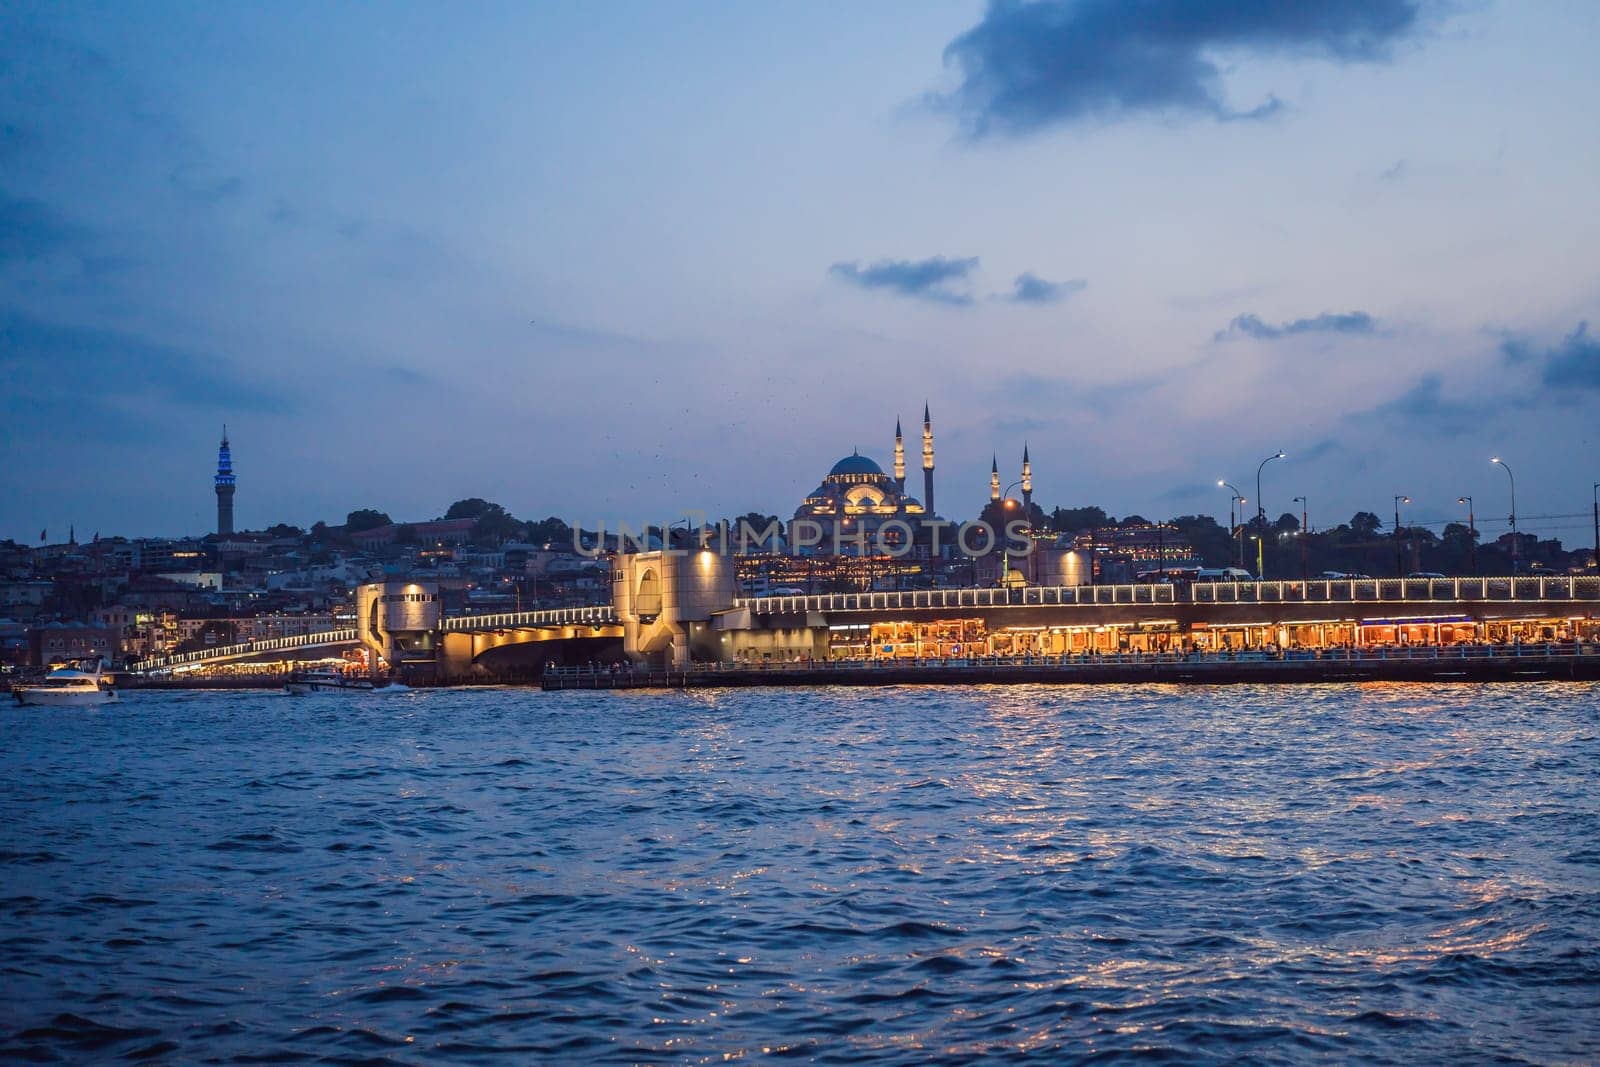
755	520
748	533
366	519
1288	522
550	531
474	507
1072	520
495	526
1210	540
1365	524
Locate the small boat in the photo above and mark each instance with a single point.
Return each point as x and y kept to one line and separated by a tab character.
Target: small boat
327	680
70	686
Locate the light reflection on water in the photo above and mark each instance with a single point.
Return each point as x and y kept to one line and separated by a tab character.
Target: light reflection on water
1274	874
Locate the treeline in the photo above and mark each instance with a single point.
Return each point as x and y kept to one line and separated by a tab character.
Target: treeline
1360	546
493	525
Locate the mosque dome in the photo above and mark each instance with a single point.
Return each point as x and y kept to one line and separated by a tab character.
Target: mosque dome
857	464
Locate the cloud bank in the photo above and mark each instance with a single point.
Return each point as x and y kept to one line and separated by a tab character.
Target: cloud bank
1029	288
1031	64
1349	322
1572	364
938	279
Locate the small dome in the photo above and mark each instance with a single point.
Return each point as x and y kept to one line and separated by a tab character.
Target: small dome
855	463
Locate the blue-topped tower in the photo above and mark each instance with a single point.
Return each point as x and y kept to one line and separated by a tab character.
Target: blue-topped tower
224	486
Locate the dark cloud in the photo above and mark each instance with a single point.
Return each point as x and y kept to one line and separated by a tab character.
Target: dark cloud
1572	364
1425	408
94	378
1550	377
925	279
1031	289
1349	322
1029	64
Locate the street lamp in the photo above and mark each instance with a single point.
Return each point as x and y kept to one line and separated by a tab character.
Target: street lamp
1472	535
1305	544
1261	516
1237	525
1513	477
1399	562
1597	526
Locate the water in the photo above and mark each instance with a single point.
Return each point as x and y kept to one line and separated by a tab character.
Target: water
1274	874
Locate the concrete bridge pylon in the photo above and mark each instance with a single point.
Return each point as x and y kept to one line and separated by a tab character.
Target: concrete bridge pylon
666	601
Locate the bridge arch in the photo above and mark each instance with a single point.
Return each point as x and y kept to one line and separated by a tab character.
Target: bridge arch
647	597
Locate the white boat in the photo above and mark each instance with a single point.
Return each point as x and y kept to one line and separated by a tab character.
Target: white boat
67	687
327	680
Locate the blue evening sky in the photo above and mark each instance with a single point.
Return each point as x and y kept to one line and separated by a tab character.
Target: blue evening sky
613	261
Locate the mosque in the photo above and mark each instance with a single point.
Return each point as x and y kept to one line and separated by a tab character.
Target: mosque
857	499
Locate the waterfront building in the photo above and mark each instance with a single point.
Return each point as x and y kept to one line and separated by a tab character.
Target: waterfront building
59	642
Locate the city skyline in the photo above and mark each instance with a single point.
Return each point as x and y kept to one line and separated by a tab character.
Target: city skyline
532	260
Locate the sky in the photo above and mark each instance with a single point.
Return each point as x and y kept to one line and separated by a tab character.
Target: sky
620	261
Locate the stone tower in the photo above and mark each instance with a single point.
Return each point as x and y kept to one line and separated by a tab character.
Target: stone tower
927	461
224	486
1027	483
899	458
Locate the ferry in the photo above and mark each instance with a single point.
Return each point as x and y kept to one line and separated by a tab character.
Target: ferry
69	686
327	680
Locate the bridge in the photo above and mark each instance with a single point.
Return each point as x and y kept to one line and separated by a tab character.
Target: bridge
328	640
481	633
678	610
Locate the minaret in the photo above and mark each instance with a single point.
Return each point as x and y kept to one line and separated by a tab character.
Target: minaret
994	478
899	459
1027	483
224	486
927	460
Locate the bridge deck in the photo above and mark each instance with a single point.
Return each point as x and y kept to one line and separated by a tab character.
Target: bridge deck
598	615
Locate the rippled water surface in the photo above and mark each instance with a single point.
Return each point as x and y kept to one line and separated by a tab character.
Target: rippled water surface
1273	874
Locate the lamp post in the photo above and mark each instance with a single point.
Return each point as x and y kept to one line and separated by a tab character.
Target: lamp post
1261	518
1513	477
1237	525
1305	546
1399	552
1472	535
1597	526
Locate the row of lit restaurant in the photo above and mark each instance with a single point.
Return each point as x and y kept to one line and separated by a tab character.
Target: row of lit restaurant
973	637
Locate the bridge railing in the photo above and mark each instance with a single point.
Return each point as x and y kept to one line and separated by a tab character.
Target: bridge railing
245	648
1343	590
1356	590
594	615
962	598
